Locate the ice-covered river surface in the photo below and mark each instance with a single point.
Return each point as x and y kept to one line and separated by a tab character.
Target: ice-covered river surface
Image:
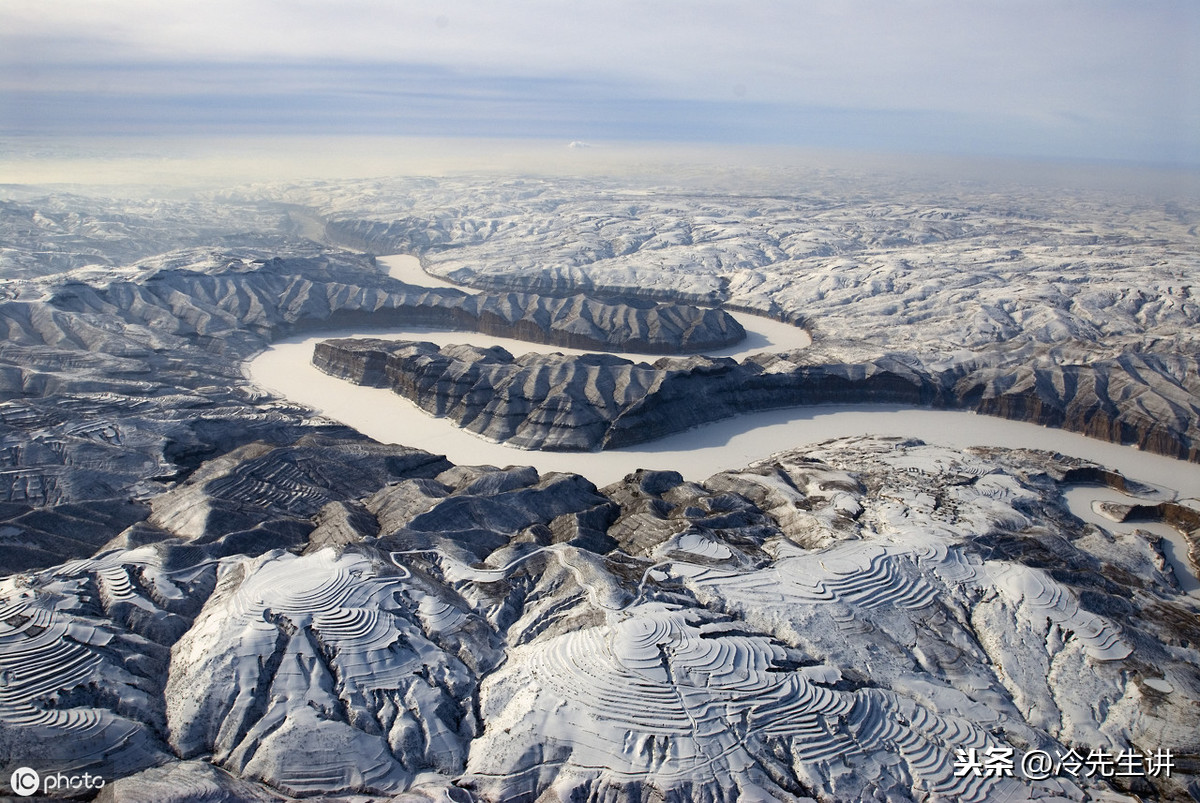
762	334
286	369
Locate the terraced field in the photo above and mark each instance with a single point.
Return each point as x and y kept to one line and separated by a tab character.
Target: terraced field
220	593
662	700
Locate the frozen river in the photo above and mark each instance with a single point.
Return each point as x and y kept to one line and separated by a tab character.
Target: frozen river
762	334
286	369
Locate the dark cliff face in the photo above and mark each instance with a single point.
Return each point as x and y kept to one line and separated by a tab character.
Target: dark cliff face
112	388
1145	400
540	401
286	296
601	401
535	401
586	323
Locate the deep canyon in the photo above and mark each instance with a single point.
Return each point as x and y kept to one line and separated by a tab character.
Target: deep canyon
216	587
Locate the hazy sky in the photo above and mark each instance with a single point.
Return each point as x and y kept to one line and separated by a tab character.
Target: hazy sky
1090	79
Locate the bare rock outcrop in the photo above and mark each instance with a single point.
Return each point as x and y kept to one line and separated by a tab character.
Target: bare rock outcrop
118	382
276	296
540	401
554	402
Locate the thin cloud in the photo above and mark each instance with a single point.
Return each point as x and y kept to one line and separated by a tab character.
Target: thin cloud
1055	68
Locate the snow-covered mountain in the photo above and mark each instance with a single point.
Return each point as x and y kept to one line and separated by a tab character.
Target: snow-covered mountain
212	592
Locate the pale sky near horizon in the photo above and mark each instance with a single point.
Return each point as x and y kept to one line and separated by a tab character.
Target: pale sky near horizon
1094	79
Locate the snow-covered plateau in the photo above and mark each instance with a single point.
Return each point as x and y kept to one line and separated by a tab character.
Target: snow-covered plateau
249	557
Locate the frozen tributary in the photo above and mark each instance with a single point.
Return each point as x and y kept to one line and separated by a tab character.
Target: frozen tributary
1083	502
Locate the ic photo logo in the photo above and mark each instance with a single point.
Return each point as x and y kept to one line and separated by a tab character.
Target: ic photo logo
25	781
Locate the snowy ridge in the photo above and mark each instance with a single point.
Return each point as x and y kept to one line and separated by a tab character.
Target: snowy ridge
1042	596
65	690
663	700
864	575
510	636
329	643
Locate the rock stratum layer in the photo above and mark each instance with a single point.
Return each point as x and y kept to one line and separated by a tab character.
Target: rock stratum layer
279	298
539	401
1071	308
